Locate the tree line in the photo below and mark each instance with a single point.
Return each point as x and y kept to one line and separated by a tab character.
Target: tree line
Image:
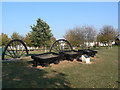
79	35
41	35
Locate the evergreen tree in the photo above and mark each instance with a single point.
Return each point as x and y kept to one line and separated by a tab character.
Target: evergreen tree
40	34
4	39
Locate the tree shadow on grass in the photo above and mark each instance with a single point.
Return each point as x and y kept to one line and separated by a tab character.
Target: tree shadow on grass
17	74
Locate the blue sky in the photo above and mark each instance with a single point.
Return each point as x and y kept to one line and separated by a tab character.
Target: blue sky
61	16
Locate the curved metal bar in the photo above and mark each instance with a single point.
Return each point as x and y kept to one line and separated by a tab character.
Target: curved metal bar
58	41
14	40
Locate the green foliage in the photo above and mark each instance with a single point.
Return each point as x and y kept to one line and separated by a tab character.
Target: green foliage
94	46
4	39
40	34
27	40
16	35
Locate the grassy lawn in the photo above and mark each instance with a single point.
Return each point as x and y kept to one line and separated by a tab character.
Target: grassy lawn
101	73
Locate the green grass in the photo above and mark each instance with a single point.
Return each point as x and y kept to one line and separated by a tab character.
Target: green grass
101	73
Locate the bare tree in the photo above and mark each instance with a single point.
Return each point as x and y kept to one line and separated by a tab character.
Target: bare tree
107	34
90	33
79	35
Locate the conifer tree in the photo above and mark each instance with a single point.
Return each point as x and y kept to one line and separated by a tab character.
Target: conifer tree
40	34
